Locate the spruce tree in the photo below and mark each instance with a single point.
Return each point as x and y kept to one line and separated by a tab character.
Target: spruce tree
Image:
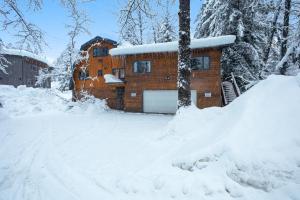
247	19
166	31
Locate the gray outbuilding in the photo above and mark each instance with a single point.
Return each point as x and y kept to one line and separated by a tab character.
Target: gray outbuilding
23	69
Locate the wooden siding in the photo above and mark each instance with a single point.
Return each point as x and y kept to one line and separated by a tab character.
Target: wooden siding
163	76
96	85
23	70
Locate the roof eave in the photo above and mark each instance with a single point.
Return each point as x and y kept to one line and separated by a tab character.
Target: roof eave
220	47
86	45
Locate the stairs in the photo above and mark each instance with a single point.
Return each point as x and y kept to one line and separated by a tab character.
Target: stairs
229	94
230	90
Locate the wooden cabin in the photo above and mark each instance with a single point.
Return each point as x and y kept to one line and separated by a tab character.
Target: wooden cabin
89	74
143	78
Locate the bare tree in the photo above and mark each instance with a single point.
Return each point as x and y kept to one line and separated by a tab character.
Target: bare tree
13	17
63	67
29	34
78	26
132	20
184	55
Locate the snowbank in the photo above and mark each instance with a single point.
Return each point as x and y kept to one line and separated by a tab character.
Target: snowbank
252	144
24	100
173	46
247	150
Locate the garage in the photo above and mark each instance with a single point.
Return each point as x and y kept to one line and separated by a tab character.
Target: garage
162	101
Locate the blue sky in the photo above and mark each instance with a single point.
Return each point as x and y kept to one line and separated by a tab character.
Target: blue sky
103	14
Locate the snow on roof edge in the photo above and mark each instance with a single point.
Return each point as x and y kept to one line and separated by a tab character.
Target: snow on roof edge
18	52
109	78
173	46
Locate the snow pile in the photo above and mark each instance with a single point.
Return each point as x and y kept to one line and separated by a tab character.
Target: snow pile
31	101
254	143
173	46
109	78
247	150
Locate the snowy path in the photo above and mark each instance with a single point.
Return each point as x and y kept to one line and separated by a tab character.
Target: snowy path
76	155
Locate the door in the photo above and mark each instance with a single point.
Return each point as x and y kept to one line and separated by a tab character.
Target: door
163	101
120	98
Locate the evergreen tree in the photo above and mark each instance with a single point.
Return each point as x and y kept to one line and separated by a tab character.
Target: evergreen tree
248	20
166	32
3	61
292	55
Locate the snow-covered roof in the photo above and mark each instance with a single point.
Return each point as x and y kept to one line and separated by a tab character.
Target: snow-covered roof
96	39
173	46
109	78
18	52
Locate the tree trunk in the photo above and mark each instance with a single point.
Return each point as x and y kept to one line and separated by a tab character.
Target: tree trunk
273	30
141	28
184	55
285	33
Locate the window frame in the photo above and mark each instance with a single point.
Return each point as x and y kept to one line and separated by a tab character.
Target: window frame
101	74
122	75
202	69
102	52
86	77
146	72
117	72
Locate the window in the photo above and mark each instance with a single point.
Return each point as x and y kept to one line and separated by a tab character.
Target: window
115	72
142	67
98	52
83	75
100	73
122	73
119	72
200	63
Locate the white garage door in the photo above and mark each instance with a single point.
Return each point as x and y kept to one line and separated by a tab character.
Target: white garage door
162	101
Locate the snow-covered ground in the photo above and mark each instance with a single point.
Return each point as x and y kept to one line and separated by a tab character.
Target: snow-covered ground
51	148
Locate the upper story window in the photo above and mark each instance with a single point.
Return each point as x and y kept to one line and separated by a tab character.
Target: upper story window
98	52
119	72
142	67
100	72
83	75
200	63
122	73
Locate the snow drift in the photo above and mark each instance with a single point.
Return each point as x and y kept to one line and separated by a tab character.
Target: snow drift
254	143
31	101
247	150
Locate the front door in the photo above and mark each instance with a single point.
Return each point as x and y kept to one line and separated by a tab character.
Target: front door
120	98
